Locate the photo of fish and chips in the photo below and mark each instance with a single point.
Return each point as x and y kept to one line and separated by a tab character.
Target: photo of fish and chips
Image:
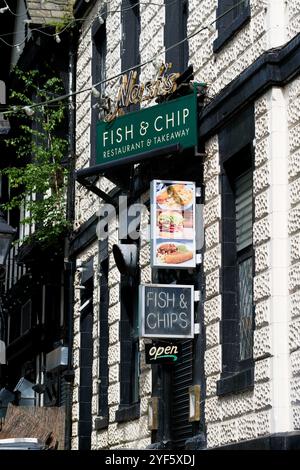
174	230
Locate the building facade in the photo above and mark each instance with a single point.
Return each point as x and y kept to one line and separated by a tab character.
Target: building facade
245	357
34	288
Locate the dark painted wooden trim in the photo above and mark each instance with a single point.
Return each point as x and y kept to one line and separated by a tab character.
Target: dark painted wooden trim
127	413
225	36
99	51
100	423
103	371
81	7
243	380
278	441
86	361
131	28
175	30
84	236
236	156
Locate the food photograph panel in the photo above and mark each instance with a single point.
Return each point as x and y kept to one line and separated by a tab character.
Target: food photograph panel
173	224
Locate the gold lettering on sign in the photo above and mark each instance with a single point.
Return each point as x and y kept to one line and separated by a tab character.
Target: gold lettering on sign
130	92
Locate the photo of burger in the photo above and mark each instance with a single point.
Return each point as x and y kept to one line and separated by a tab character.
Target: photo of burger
170	222
173	253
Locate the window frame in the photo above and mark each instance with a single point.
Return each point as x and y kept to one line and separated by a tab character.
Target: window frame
243	255
228	26
130	35
99	52
237	375
130	40
236	156
101	421
129	371
23	313
175	30
85	390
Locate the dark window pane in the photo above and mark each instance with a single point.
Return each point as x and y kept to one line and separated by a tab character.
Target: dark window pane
129	367
246	308
238	7
243	211
228	11
104	330
175	32
98	75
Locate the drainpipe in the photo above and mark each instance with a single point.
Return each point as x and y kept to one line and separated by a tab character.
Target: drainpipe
68	262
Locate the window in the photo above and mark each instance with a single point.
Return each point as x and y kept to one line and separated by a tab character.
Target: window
130	356
129	366
232	14
130	24
86	357
102	419
236	155
176	31
243	213
98	74
25	317
130	38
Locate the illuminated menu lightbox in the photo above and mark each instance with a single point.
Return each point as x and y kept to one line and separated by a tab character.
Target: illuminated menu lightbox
173	236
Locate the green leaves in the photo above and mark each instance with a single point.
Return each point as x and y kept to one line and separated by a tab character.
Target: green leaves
39	181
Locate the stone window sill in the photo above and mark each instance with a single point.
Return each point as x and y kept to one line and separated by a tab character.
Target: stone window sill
101	422
239	382
128	412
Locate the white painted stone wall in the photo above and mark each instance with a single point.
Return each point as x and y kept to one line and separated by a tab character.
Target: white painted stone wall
220	69
133	434
84	256
249	414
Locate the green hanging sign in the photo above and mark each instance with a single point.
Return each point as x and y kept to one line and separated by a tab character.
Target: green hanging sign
152	128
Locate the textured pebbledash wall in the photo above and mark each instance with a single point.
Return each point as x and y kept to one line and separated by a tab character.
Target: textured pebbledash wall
133	434
293	91
220	69
277	322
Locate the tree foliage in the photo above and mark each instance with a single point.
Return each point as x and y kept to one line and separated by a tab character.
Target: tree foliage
38	177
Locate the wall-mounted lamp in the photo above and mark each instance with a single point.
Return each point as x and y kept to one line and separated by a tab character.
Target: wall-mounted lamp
153	413
194	403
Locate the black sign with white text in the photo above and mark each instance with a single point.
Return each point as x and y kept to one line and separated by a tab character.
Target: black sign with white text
167	311
162	353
